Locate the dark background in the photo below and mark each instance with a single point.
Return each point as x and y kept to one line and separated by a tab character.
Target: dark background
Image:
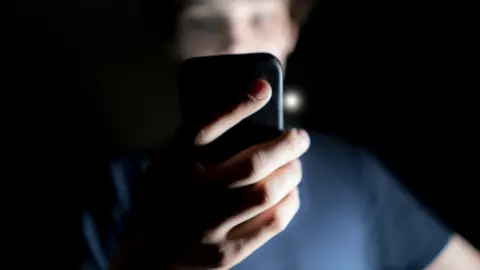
400	77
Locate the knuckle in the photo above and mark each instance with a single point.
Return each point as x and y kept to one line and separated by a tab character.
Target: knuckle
283	213
223	255
255	165
296	203
295	165
294	171
210	235
278	223
264	197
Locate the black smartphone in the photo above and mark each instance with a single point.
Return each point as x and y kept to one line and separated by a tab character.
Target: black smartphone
210	86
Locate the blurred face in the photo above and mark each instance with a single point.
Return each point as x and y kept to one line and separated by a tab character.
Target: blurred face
211	27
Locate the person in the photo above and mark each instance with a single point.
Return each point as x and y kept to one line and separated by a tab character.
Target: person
245	213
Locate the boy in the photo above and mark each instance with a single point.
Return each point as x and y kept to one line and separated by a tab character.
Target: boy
353	214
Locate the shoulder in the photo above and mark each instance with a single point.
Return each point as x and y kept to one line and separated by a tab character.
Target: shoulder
354	165
106	214
333	160
333	166
405	233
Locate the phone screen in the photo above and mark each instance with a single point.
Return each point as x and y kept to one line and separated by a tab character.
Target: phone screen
211	86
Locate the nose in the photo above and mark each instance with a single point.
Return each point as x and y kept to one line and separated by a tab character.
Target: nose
236	41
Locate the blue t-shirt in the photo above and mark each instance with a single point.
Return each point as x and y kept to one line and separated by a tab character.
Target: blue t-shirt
354	216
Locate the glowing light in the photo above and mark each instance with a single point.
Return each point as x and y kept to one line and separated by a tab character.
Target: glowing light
292	101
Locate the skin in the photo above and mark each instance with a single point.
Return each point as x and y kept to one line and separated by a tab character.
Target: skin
235	27
457	254
271	172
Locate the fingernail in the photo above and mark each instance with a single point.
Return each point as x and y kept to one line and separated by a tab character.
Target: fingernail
259	90
302	133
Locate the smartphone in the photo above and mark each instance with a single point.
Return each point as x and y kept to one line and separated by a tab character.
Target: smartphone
213	85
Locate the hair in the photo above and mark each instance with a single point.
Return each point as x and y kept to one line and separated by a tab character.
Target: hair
162	15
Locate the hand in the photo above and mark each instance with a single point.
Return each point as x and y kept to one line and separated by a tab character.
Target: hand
222	214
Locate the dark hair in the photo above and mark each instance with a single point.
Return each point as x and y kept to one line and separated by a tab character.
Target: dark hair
162	15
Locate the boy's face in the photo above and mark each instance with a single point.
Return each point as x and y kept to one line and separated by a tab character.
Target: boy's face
211	27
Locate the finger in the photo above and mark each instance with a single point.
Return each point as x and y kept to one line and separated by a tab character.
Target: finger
259	161
247	202
272	221
254	233
244	239
262	195
256	99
